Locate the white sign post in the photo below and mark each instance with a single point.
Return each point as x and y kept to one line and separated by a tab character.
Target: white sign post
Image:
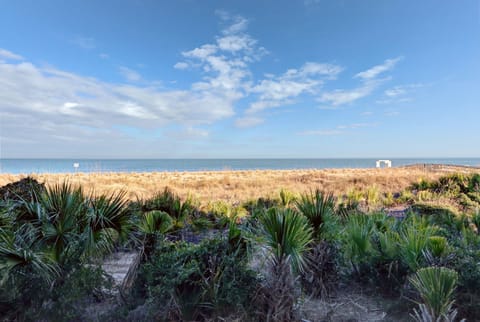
76	166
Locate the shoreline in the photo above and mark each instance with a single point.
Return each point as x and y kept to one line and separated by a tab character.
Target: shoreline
235	186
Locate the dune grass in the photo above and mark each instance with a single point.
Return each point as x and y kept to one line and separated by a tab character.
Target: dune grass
240	186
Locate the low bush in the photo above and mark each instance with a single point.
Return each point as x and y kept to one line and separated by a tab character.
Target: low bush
194	282
436	286
31	299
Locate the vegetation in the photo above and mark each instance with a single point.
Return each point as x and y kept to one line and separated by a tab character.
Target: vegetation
206	262
435	286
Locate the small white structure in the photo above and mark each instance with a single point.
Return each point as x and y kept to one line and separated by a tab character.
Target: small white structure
387	163
76	166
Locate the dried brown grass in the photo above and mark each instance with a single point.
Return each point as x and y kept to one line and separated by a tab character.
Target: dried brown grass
238	186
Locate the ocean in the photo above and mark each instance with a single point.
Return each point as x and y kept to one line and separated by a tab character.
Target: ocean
29	166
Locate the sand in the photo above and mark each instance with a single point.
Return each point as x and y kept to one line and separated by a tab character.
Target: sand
238	186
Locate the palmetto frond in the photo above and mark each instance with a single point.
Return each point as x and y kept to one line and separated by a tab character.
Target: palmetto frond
18	253
318	207
288	235
155	222
110	212
436	286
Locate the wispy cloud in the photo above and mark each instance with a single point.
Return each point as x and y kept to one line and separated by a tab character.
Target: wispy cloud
282	90
373	72
84	42
180	65
245	122
130	74
392	113
188	133
321	132
370	82
399	94
57	97
344	96
340	129
5	54
356	125
104	56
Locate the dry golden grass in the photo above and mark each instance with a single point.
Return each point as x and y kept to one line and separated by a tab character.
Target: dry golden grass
238	186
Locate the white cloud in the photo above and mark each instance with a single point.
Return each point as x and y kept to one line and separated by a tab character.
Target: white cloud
340	129
377	70
370	82
129	74
236	24
103	56
50	104
392	113
342	96
356	125
277	90
248	122
331	71
402	89
70	105
234	43
188	133
9	55
399	94
180	65
84	42
321	132
201	52
395	91
394	100
281	90
55	97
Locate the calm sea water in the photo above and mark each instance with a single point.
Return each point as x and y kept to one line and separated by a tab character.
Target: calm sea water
28	166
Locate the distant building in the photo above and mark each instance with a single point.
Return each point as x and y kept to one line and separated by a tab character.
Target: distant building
387	163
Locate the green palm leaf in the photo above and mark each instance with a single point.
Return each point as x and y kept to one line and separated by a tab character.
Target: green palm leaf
318	207
288	235
436	286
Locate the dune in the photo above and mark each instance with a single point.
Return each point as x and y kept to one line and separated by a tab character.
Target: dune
238	186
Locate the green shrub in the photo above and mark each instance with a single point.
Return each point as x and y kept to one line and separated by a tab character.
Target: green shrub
406	196
435	286
466	250
358	247
50	237
287	236
372	196
202	280
413	242
354	196
29	298
427	209
287	198
388	199
422	184
437	245
319	209
425	196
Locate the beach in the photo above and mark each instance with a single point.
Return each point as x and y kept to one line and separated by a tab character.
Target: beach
239	186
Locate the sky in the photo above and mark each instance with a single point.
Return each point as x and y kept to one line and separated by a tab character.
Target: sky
239	79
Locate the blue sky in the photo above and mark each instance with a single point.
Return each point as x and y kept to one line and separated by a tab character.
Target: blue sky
239	79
